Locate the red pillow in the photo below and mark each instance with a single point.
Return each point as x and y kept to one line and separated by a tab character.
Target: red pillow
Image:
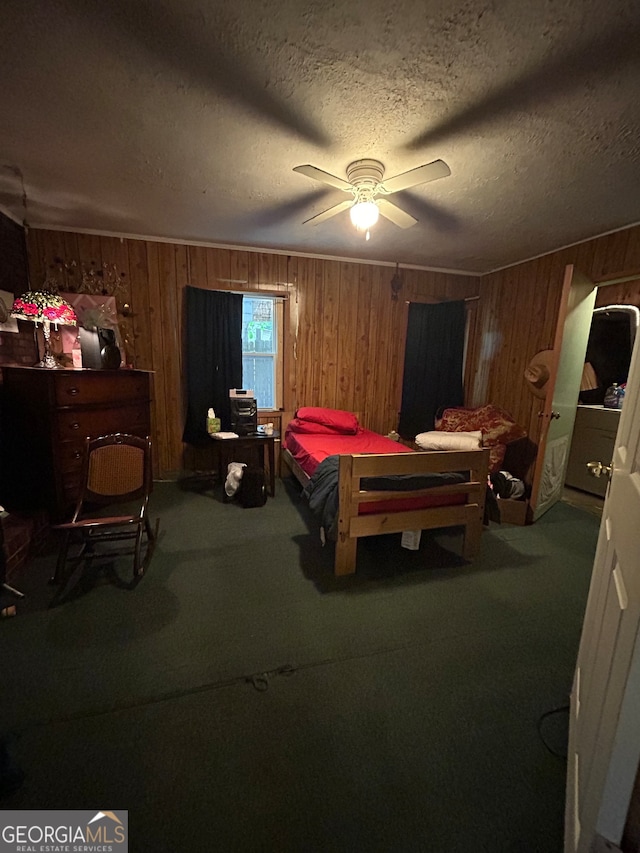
297	425
337	420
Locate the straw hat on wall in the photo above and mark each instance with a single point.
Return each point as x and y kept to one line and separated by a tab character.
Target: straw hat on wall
538	372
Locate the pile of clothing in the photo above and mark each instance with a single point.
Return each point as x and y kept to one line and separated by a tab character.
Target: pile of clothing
505	485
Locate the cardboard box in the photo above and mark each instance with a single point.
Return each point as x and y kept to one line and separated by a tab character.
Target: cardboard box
513	512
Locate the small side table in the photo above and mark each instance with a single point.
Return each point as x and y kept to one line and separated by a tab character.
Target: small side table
228	447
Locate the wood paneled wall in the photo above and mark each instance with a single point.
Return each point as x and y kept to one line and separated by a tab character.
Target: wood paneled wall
345	335
625	293
517	317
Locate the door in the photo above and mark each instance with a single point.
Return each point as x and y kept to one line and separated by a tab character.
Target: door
604	734
559	411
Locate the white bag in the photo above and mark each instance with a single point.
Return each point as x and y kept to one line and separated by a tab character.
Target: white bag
234	476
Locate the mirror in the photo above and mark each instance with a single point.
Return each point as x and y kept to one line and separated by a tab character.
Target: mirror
611	338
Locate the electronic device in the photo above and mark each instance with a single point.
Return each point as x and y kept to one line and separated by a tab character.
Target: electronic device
90	346
240	392
244	415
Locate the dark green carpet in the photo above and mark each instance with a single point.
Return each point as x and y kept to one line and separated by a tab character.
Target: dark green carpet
409	722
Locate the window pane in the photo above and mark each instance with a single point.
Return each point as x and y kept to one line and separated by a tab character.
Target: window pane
258	374
259	336
258	326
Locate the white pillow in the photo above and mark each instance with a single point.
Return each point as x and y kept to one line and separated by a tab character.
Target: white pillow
437	440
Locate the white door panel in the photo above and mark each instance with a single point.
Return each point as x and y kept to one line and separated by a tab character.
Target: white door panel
604	733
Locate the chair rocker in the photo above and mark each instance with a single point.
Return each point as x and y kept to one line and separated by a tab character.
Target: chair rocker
116	475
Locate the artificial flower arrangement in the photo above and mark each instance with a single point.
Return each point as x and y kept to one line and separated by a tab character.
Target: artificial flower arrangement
41	305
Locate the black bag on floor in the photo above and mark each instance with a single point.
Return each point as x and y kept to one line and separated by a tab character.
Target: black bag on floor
252	491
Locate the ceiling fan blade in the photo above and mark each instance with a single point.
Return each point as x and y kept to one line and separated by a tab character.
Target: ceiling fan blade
327	214
324	177
420	175
395	214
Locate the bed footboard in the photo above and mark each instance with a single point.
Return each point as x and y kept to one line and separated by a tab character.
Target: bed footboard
355	467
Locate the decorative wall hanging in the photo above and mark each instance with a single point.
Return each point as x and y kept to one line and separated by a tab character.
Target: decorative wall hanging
89	277
94	313
103	281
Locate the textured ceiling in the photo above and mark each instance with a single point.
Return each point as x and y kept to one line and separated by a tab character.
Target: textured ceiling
183	119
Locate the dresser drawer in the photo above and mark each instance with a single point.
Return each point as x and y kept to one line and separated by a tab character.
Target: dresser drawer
69	457
90	388
79	423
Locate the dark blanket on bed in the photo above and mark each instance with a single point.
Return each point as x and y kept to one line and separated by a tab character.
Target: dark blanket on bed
322	489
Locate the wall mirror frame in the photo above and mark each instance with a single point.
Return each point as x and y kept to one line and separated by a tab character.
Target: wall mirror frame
611	339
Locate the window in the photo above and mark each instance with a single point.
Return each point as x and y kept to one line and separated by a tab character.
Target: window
262	365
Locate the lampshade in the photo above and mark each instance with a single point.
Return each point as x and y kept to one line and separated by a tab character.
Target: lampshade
364	214
43	306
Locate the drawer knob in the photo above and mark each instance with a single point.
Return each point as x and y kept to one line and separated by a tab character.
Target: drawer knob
75	425
72	391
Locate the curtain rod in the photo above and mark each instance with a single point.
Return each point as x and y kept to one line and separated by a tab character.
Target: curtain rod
256	294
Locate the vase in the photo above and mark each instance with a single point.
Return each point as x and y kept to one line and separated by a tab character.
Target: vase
110	356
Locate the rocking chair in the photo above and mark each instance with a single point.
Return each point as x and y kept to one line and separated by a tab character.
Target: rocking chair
116	476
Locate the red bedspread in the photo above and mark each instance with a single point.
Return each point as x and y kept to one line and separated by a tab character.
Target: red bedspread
310	449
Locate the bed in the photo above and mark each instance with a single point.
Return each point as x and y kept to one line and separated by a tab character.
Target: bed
381	486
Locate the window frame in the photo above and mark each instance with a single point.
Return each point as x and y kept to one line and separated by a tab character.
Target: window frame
280	315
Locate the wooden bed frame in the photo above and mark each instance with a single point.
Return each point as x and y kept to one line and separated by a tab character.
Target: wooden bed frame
353	467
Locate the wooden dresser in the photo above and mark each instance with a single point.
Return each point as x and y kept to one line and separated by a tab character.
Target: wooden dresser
46	416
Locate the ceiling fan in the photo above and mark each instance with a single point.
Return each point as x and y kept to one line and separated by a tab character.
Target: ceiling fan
368	190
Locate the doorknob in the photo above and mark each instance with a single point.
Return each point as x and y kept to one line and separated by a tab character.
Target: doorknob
597	469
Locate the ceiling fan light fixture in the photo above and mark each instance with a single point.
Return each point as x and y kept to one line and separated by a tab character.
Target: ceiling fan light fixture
364	214
366	184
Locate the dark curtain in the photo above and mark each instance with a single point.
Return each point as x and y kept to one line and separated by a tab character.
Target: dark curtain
432	364
214	358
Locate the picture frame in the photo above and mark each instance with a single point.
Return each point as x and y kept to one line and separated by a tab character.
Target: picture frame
7	322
